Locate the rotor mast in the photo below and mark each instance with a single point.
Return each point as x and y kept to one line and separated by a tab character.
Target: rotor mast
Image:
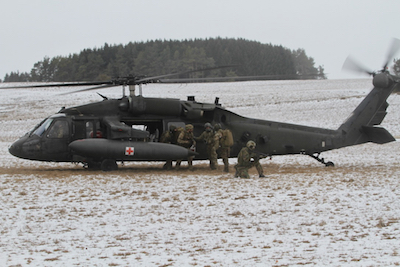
132	90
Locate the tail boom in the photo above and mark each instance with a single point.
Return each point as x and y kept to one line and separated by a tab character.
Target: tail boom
360	126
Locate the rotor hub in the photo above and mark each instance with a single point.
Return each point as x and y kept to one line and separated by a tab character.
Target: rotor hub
382	80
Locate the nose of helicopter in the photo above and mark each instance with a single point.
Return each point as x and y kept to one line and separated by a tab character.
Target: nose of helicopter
16	148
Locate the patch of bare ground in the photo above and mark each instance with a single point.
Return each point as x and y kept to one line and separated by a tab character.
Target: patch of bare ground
155	169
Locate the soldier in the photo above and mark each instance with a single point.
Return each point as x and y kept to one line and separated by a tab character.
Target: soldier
167	137
175	134
211	138
225	143
245	162
186	139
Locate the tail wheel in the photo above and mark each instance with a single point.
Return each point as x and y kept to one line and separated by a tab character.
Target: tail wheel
329	164
109	165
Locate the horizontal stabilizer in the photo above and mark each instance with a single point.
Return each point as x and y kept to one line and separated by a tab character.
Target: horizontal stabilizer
377	135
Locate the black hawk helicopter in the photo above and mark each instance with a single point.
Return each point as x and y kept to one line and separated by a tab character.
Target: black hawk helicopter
103	133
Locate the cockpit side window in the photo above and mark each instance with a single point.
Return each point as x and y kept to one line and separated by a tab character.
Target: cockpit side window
59	130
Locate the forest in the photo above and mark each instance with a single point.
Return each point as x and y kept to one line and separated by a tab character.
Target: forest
161	57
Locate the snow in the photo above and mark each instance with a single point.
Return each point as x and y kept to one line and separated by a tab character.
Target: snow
301	214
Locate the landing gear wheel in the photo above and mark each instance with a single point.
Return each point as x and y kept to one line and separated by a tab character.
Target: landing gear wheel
109	165
322	160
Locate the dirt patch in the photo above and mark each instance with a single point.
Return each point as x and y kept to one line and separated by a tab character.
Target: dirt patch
199	169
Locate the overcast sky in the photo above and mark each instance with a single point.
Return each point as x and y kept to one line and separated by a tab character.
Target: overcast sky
329	31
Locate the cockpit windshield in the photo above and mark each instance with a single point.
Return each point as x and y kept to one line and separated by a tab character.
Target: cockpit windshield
42	127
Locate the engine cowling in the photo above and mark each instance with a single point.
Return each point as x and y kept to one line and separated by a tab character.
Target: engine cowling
155	106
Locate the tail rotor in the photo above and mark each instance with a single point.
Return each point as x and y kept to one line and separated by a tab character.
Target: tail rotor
392	52
352	65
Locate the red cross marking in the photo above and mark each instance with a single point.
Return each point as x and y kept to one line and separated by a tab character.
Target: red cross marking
129	151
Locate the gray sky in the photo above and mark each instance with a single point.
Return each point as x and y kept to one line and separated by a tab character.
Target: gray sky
328	30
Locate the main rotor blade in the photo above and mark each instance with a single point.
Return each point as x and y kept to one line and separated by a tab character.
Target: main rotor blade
352	65
241	78
143	80
394	48
69	84
91	88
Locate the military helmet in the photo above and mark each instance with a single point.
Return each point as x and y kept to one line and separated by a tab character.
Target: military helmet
172	128
189	127
208	127
217	126
251	144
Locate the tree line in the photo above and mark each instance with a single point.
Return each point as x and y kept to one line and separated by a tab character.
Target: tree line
160	57
396	66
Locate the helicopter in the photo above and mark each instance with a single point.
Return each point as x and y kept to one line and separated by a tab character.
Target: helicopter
100	134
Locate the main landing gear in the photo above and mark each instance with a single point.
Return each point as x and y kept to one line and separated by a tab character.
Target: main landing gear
322	160
109	165
104	165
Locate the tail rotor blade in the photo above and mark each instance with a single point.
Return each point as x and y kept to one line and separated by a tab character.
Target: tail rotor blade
392	52
354	66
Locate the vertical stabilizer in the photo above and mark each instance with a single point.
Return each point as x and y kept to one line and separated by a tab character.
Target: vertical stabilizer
360	126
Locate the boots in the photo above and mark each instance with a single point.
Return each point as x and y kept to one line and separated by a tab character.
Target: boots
177	165
226	164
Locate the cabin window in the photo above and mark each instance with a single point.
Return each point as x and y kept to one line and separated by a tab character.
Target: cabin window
93	129
59	130
176	124
89	129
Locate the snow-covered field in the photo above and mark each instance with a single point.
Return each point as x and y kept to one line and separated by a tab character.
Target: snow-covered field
302	214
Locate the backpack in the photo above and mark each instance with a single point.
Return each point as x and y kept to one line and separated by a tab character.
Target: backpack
227	138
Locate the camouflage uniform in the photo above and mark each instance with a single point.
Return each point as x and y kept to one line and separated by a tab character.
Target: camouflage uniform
211	138
245	162
186	139
223	151
167	137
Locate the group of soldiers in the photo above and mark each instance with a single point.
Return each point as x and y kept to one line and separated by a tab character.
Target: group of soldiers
215	139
